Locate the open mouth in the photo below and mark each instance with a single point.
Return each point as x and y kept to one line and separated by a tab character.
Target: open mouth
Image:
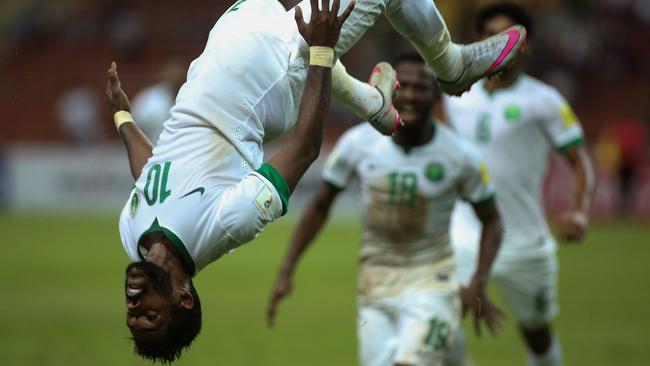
135	283
133	290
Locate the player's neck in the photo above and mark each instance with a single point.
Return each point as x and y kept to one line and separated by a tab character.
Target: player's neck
504	81
168	258
410	137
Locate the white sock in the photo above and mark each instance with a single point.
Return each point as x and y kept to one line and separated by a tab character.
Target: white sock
363	98
444	57
422	24
552	357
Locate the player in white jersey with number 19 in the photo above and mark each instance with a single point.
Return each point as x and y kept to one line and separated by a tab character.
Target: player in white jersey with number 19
517	121
408	301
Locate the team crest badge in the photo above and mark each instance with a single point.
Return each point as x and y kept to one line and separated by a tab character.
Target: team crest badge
512	113
435	172
135	202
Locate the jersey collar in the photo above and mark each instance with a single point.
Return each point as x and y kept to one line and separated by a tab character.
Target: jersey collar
407	149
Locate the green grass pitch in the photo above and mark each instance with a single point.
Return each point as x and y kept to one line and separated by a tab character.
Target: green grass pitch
63	304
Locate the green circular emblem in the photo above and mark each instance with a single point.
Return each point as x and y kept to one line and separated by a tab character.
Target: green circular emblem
435	172
512	112
135	201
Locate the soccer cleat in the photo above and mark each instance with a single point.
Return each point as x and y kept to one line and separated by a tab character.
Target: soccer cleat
486	58
384	78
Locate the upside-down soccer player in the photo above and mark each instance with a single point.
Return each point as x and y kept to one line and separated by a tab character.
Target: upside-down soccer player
517	121
409	308
204	190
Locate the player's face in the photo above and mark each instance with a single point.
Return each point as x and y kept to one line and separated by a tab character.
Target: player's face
149	299
496	25
417	93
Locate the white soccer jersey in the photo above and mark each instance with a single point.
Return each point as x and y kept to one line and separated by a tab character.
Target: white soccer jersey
407	196
195	190
249	80
516	129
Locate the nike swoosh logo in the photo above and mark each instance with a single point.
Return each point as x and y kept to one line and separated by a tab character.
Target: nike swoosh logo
199	190
513	39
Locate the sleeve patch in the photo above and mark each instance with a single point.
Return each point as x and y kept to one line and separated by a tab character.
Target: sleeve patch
264	202
568	117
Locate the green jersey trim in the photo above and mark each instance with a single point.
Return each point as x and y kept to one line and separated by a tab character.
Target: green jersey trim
334	187
176	242
277	180
488	200
578	141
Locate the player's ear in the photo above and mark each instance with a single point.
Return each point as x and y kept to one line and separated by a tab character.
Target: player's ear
187	300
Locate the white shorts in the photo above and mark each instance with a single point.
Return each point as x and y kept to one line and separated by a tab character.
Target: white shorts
527	284
415	329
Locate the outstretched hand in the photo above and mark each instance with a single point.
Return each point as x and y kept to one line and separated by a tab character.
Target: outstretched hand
116	97
324	26
572	226
476	301
281	290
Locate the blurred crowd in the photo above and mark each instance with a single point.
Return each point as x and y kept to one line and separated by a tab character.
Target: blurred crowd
54	54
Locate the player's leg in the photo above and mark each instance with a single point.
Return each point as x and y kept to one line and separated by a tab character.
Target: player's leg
376	331
464	239
427	324
529	287
372	101
456	66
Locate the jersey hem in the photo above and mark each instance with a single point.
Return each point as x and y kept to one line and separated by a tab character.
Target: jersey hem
278	182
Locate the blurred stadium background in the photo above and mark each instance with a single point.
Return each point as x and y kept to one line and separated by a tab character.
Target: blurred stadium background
64	176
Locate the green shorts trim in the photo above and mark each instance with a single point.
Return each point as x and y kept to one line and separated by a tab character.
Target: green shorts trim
578	141
278	182
176	242
333	187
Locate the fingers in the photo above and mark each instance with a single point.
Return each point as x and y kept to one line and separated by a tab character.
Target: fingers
271	310
314	7
335	7
340	20
326	6
300	20
112	74
477	323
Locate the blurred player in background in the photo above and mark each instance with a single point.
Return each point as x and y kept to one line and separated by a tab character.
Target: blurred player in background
204	189
517	121
409	307
151	106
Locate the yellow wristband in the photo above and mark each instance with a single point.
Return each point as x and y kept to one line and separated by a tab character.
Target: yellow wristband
122	117
321	56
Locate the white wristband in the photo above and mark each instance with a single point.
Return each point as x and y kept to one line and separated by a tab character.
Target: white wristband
121	118
321	56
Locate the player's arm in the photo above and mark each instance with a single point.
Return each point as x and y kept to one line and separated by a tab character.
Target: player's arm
474	296
311	222
563	128
573	224
304	146
138	146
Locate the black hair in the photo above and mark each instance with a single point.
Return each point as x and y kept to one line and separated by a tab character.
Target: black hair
517	13
408	56
181	332
413	56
